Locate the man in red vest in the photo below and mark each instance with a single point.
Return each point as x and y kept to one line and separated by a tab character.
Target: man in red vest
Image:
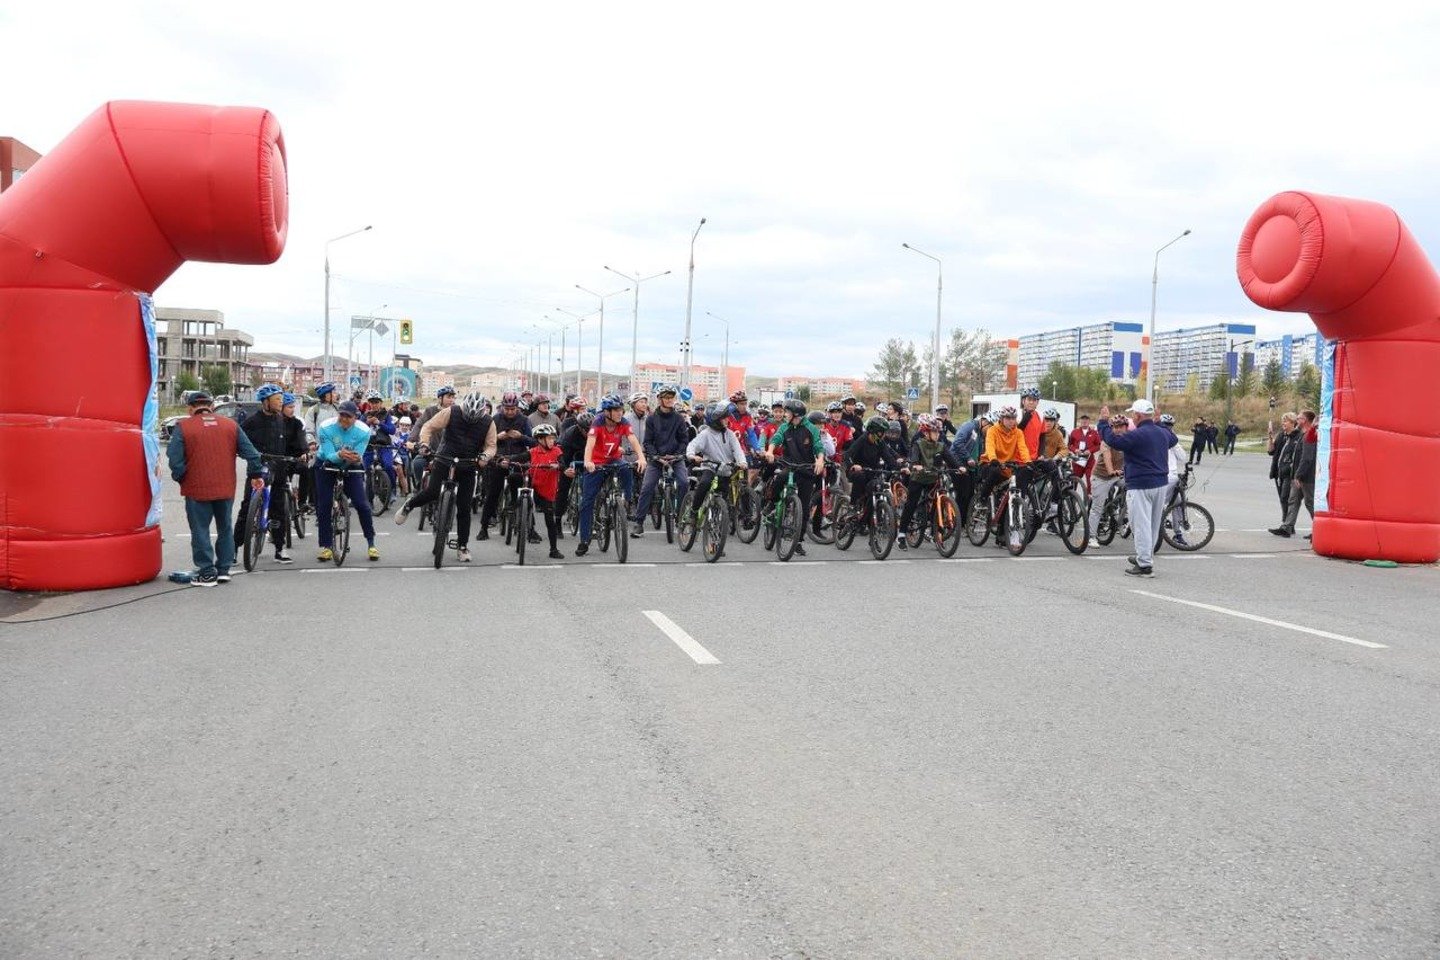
1085	444
202	453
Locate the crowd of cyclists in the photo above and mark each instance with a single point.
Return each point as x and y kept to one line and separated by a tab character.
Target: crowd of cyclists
834	474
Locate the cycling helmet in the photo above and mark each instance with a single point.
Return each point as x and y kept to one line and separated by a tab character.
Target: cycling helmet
1167	419
584	419
611	402
1119	420
266	392
406	421
892	426
848	398
577	402
543	430
834	406
876	425
509	399
1030	393
374	397
542	398
763	415
287	400
815	417
1052	414
1006	411
739	397
988	418
667	388
795	408
444	392
473	405
323	389
636	397
941	410
927	422
859	407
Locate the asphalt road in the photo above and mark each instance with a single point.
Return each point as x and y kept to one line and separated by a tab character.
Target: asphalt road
987	758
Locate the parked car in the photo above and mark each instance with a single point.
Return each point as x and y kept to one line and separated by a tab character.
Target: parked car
168	425
237	410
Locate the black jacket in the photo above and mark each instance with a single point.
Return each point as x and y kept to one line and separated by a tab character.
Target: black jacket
666	436
1286	456
509	447
861	452
572	443
276	434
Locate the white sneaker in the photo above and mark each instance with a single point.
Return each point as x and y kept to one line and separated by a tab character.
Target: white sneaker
464	554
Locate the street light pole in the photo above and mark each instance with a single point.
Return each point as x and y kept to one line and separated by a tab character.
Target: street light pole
579	348
635	320
327	291
1154	292
725	363
689	301
600	354
935	350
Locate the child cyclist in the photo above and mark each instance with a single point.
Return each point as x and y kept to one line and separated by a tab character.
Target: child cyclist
545	466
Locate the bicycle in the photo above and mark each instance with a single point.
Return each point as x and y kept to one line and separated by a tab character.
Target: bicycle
745	498
445	506
572	500
938	519
257	516
1187	526
882	516
340	514
610	511
783	521
524	520
292	506
663	506
1114	516
824	508
711	519
377	484
1060	490
1003	512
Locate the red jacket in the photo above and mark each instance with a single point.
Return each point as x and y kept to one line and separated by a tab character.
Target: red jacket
840	432
545	482
1085	440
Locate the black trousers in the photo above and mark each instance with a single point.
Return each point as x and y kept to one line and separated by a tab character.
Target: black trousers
464	492
278	512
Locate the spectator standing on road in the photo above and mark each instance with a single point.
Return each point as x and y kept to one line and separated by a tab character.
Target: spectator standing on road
1232	430
1284	458
1084	442
202	453
1147	456
1212	437
1199	434
1305	443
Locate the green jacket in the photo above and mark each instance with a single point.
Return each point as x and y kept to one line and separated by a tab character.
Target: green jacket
778	440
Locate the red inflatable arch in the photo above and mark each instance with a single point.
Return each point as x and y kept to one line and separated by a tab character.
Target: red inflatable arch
88	233
1357	271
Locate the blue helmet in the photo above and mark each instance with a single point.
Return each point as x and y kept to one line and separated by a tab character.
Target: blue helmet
323	389
288	400
612	402
266	392
444	392
1030	393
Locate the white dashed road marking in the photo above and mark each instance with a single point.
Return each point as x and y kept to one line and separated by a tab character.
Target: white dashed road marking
1265	620
682	639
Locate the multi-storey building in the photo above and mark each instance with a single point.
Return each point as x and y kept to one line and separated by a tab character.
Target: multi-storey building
189	341
1117	347
707	383
1292	351
1205	352
822	388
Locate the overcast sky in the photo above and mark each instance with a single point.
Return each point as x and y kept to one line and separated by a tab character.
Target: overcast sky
506	152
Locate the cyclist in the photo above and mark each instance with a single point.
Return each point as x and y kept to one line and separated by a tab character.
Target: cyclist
512	434
928	456
942	417
382	439
1176	469
966	448
1052	444
464	433
895	439
602	448
274	434
1004	442
1109	469
799	443
306	493
853	414
342	444
574	406
420	455
1031	423
717	444
572	454
765	426
639	404
741	423
543	458
322	412
868	452
666	434
542	414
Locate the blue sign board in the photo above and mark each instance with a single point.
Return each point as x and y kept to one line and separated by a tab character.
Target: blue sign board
789	394
354	381
686	393
398	382
912	394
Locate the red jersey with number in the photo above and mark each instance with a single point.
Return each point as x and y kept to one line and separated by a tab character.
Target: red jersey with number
609	441
840	432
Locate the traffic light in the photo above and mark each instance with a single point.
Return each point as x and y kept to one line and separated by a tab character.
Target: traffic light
407	331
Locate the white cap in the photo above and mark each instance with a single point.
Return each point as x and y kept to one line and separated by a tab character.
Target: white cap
1142	406
406	420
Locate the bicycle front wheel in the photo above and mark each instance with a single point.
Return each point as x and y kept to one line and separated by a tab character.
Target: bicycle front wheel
1017	524
844	523
341	545
792	528
1188	527
297	518
254	531
526	518
882	529
688	523
977	524
444	517
716	526
747	514
946	526
668	509
622	535
380	493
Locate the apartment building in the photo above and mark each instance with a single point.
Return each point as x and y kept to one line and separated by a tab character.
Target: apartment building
188	341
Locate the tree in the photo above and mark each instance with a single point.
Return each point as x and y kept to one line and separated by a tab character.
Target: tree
1219	387
1192	385
1273	379
1248	380
217	379
890	369
974	360
803	393
1307	385
185	382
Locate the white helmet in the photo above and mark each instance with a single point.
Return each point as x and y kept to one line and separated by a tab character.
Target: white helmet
636	397
473	405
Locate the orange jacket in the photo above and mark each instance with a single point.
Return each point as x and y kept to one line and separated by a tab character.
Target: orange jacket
1002	444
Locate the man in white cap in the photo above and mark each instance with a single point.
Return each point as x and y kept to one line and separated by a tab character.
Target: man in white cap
1147	456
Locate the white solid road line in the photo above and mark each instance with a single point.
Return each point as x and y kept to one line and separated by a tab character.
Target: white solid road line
333	570
530	566
1265	620
1251	556
682	639
620	566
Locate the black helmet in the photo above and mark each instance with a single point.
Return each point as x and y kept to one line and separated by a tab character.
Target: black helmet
716	414
796	408
815	417
877	425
